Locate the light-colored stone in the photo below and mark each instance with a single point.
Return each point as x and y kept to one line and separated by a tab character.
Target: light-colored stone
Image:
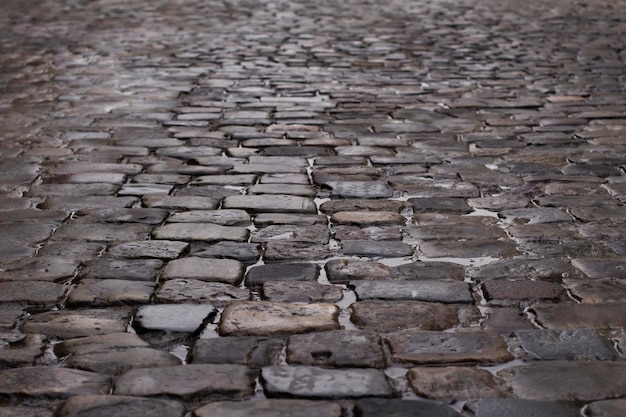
205	232
227	271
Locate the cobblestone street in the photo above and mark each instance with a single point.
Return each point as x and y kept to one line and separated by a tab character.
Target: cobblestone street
274	208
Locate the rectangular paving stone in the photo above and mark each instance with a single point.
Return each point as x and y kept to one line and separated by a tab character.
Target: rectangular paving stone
227	271
158	249
269	219
270	408
300	291
432	291
576	316
359	189
206	232
361	205
194	381
196	291
72	190
51	269
599	267
419	347
268	319
97	232
24	232
123	269
501	291
121	215
368	218
182	318
290	233
477	248
444	271
300	271
46	382
86	202
180	203
597	291
336	348
277	251
550	268
39	294
385	249
577	344
401	314
119	405
68	324
271	203
110	292
453	382
244	350
342	271
379	407
566	381
222	217
314	382
488	407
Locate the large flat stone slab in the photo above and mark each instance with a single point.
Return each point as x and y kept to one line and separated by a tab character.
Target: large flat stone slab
549	268
567	381
157	249
194	381
39	294
120	406
383	249
420	347
110	292
477	248
300	271
51	382
576	344
221	217
270	408
53	269
227	271
290	233
576	316
277	251
123	269
267	318
95	232
196	291
301	292
314	382
271	203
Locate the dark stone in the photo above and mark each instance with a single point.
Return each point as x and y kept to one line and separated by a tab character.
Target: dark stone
244	350
258	275
372	407
492	407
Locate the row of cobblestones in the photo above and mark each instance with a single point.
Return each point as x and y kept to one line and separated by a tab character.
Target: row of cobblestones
297	208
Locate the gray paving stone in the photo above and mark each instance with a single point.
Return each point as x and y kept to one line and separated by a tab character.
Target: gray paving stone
271	203
86	203
51	382
597	267
21	350
300	292
573	316
200	231
110	292
375	233
194	381
336	348
80	251
51	269
68	324
228	271
384	249
455	232
359	189
31	233
247	253
478	248
289	233
258	275
561	381
112	354
578	344
418	347
607	408
427	186
187	318
301	179
26	411
597	291
8	317
342	271
268	318
159	249
291	189
372	407
277	251
196	291
244	350
180	203
124	269
232	179
32	294
445	271
431	291
488	407
440	205
361	205
270	408
72	190
120	405
141	189
556	269
121	215
205	191
269	219
388	315
503	291
94	232
314	382
453	382
367	218
535	215
221	217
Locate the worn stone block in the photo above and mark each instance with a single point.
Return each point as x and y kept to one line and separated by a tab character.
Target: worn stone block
187	318
393	315
244	350
300	271
432	291
51	382
110	292
270	408
119	406
228	271
453	382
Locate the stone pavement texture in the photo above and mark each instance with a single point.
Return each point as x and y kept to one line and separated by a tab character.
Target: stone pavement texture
312	208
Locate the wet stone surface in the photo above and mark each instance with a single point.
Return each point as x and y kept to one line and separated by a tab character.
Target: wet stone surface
362	199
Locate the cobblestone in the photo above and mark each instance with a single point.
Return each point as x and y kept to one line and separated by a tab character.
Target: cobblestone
360	199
